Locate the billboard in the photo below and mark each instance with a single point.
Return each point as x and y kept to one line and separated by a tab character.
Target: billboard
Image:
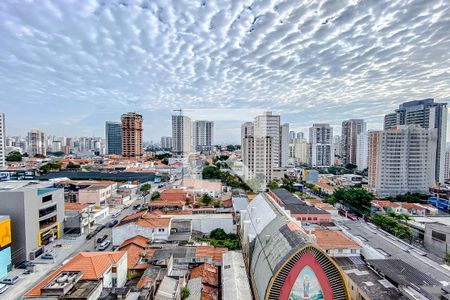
5	233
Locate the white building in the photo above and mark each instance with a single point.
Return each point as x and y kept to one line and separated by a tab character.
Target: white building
2	140
403	160
166	142
36	142
202	135
181	135
284	145
362	150
247	130
268	125
298	151
257	159
322	150
350	130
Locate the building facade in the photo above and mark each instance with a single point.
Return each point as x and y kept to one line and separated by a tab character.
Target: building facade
113	137
5	245
404	160
427	114
362	151
166	142
350	130
132	135
36	143
37	215
298	151
202	135
257	159
181	135
322	150
247	130
2	140
284	145
268	125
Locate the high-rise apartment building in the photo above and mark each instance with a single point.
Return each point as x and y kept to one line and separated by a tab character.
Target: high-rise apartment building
2	140
257	159
403	158
269	125
247	130
321	140
298	151
337	147
202	135
427	114
181	135
362	151
132	135
284	145
447	164
291	135
166	142
113	136
350	130
36	143
300	135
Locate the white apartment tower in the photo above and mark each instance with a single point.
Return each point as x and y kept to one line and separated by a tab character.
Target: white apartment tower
362	150
166	142
181	135
202	135
321	140
36	143
268	125
257	159
401	160
350	130
247	130
298	151
2	140
284	145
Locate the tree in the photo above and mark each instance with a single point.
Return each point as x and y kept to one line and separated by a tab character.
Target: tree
145	188
211	172
357	199
165	161
272	185
447	258
71	165
14	156
185	292
50	166
206	199
155	195
218	234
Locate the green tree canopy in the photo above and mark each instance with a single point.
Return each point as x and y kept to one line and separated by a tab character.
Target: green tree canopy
272	185
14	156
145	188
185	293
72	165
50	166
358	199
206	199
155	195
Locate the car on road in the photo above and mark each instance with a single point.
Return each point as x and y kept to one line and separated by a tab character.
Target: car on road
3	288
101	239
48	255
25	265
91	235
112	223
116	214
100	228
137	207
10	280
103	245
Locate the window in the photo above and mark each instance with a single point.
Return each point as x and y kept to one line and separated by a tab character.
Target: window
438	236
160	229
114	282
353	251
114	269
47	198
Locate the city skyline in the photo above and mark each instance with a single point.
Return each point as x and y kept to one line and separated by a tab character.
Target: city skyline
80	64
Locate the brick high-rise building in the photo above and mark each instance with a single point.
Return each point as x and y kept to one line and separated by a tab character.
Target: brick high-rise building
132	135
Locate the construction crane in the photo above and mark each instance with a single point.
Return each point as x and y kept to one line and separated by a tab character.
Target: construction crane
179	110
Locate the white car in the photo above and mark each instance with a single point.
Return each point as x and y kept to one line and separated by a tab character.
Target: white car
116	214
103	245
3	288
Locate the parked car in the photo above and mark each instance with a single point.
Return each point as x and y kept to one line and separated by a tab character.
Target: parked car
25	265
91	235
101	239
116	214
48	255
103	245
137	207
9	279
3	288
112	223
100	228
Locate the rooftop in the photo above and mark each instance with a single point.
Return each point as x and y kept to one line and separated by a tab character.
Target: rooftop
75	206
334	239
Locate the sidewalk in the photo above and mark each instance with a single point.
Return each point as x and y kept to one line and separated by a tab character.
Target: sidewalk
43	267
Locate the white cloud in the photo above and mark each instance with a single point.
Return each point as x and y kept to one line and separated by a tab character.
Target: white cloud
309	60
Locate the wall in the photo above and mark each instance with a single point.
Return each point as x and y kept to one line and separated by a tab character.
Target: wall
312	218
434	245
124	232
122	270
96	196
206	225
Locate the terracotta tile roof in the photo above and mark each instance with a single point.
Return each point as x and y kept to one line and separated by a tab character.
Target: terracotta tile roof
134	253
384	203
75	206
167	202
92	264
138	240
210	280
210	251
333	239
407	205
153	222
178	212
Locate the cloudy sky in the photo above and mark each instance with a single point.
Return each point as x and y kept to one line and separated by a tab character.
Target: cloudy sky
68	66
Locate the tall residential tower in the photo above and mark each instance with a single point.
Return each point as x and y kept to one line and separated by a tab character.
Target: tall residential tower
181	135
113	136
202	135
132	135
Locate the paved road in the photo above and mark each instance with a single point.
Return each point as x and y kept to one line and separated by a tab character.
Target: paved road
397	250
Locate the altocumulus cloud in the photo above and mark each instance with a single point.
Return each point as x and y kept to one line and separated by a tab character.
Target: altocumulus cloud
67	66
